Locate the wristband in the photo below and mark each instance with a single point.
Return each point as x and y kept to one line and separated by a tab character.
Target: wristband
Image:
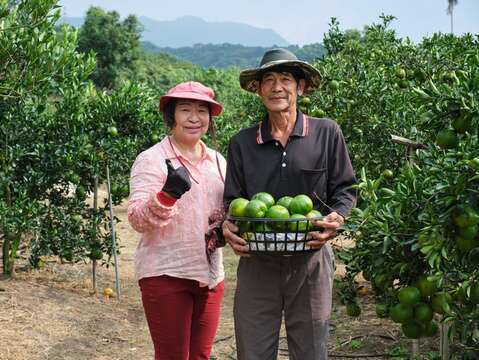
165	199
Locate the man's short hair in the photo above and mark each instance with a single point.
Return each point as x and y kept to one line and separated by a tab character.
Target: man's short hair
297	73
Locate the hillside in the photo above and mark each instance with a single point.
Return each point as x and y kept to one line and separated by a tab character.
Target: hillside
229	55
191	30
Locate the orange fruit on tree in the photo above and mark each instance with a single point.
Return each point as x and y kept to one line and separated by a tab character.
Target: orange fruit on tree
447	139
423	313
430	329
353	309
382	310
401	313
412	329
440	303
474	293
425	286
469	232
409	295
465	245
362	290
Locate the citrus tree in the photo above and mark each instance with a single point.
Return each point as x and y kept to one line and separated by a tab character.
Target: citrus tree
416	227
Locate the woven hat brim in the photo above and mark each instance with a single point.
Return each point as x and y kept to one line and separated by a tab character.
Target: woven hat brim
248	78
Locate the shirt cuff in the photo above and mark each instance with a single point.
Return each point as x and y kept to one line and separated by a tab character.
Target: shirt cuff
165	199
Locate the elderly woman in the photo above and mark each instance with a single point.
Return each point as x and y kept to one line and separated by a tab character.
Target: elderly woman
176	192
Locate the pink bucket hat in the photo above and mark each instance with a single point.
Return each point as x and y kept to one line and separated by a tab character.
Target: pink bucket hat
194	91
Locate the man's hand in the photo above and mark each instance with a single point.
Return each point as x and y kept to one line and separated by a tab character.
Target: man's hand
238	244
330	224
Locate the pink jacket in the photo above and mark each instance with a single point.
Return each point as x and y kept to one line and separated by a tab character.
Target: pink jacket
173	237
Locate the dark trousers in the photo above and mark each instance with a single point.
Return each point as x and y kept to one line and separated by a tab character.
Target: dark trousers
182	316
298	287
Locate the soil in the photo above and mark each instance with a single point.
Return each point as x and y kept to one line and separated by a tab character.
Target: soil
53	313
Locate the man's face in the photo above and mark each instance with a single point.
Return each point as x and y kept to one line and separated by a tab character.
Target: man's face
279	91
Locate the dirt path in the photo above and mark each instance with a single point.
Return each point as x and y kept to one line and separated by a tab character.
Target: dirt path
52	314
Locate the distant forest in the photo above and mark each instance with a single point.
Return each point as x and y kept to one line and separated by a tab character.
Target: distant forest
229	55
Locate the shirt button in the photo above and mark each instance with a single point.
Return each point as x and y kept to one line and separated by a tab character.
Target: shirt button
276	143
284	154
283	164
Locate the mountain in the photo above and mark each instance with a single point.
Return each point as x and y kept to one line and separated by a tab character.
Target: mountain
191	30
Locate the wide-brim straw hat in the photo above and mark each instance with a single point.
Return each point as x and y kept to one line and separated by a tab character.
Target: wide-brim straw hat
280	58
192	90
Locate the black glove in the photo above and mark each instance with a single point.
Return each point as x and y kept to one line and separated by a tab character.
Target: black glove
178	182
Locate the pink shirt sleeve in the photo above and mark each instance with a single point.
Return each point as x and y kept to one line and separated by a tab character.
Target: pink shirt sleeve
145	212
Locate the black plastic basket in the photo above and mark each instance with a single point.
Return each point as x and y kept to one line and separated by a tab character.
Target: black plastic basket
276	236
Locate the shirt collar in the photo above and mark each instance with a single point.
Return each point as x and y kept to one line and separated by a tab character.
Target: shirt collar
301	128
172	151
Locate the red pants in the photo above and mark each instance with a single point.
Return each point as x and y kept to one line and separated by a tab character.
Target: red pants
182	316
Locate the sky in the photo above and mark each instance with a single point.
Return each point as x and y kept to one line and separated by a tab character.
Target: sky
302	21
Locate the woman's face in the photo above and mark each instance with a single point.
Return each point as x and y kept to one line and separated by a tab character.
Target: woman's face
192	118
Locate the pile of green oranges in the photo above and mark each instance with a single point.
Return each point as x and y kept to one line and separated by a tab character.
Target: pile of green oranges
290	213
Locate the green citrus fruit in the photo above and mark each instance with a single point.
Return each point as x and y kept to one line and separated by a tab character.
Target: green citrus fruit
469	232
96	254
401	73
301	204
319	113
423	313
426	287
409	295
461	124
388	174
255	209
464	216
314	214
277	212
430	329
353	309
248	236
112	130
261	227
284	201
474	163
154	137
381	281
305	101
243	226
334	84
440	302
401	313
297	225
238	207
465	245
412	329
474	294
447	139
264	197
382	310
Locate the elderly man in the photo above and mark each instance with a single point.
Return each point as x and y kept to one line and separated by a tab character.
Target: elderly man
287	153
